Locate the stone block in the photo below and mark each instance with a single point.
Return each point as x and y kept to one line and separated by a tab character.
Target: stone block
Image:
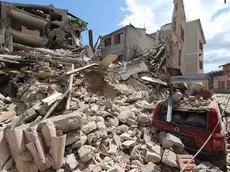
89	127
169	158
152	157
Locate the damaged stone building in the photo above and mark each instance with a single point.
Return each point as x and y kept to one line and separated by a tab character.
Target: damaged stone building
127	42
38	26
185	41
174	34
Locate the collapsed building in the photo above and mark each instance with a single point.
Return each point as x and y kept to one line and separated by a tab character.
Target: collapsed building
38	26
69	112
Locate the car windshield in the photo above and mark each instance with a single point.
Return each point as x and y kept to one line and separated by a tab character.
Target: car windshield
192	118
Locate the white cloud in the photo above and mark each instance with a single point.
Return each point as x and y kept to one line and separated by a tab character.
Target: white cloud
122	9
159	12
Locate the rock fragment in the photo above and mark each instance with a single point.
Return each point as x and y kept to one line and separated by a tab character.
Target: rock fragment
116	168
86	153
170	158
142	118
170	141
71	161
150	167
152	157
87	128
100	125
129	143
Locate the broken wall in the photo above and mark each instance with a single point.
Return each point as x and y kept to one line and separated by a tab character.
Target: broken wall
116	49
176	40
39	26
137	41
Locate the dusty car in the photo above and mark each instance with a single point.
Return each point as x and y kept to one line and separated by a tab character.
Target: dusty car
193	126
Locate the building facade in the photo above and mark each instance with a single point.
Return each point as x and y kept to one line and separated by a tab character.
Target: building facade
222	83
174	35
176	43
126	43
194	56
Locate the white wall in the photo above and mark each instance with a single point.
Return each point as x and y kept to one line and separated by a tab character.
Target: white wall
193	37
137	42
199	38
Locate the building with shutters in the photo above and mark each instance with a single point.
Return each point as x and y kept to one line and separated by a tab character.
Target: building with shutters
126	43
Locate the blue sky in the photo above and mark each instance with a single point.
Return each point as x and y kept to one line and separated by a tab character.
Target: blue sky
219	12
103	16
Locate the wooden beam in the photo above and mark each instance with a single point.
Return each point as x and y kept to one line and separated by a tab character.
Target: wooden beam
70	88
81	68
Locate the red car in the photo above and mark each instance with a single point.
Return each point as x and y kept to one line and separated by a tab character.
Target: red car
193	126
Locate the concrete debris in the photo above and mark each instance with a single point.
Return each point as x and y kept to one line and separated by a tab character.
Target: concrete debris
60	109
170	141
86	153
128	143
116	168
152	157
169	158
71	161
206	166
177	97
87	128
150	167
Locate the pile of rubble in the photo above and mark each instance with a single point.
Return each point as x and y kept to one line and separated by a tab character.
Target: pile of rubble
62	110
103	127
97	133
96	117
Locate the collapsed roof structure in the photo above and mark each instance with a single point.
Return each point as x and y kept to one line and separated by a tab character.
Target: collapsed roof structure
38	26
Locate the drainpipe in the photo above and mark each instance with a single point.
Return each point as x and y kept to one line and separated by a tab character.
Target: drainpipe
91	38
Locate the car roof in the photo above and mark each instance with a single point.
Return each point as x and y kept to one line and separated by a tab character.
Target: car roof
213	104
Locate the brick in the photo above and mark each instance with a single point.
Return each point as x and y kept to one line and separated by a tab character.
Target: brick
183	160
30	32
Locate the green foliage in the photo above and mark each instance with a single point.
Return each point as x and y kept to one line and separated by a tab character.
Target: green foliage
81	22
212	75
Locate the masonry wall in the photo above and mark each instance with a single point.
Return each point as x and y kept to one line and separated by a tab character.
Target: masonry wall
190	64
200	52
191	57
224	78
136	42
192	38
133	42
115	49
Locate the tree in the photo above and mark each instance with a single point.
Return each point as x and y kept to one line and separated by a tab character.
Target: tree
212	75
